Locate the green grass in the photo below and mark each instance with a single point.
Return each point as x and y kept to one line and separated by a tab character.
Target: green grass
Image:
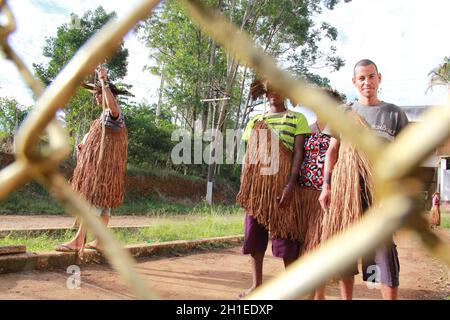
445	220
35	200
40	243
184	228
162	229
156	207
133	170
32	199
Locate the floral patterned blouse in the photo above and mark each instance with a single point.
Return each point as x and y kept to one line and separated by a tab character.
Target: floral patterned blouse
314	150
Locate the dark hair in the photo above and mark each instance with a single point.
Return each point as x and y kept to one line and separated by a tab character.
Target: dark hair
363	63
334	94
258	88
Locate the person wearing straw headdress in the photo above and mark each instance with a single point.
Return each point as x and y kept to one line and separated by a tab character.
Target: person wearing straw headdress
435	212
99	175
269	190
348	188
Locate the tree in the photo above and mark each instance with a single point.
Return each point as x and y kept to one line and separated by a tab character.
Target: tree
196	69
183	50
11	115
69	38
149	142
80	111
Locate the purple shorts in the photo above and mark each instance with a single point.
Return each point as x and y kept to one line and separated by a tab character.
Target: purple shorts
256	238
383	267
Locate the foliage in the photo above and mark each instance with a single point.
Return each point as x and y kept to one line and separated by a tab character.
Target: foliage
81	109
11	115
69	39
193	68
149	138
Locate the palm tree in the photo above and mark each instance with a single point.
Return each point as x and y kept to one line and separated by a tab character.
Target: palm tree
440	76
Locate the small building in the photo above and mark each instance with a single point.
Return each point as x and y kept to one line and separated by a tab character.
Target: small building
436	169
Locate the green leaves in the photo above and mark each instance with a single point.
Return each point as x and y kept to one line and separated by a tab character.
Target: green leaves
149	139
11	115
195	69
69	39
81	109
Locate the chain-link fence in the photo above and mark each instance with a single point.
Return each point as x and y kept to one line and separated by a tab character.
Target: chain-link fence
394	163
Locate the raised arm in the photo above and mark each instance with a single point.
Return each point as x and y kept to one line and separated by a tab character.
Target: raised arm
111	102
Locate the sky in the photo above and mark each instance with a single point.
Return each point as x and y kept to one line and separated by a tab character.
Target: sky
406	38
38	19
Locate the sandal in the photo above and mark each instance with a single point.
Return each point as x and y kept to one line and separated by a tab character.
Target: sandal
90	246
65	248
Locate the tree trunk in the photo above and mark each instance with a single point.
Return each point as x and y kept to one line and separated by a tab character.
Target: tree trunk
238	114
77	137
161	88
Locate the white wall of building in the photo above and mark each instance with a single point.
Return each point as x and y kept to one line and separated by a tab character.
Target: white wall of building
444	181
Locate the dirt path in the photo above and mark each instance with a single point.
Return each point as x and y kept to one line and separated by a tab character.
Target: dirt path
49	221
220	274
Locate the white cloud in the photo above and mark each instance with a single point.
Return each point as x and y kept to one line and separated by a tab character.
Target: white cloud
38	19
406	38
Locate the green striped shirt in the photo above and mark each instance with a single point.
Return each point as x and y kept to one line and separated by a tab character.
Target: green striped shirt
286	125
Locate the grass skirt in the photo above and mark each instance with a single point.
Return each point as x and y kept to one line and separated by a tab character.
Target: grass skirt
312	215
258	193
435	216
351	179
102	182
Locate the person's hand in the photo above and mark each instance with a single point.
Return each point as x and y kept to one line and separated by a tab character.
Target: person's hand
325	197
286	196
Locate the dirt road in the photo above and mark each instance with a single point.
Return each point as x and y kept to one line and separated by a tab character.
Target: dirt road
220	274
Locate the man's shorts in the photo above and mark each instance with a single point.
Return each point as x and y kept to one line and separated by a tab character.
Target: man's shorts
256	239
381	267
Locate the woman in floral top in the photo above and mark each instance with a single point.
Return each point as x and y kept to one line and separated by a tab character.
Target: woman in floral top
311	180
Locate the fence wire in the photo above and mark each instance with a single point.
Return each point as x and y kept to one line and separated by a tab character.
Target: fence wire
394	163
